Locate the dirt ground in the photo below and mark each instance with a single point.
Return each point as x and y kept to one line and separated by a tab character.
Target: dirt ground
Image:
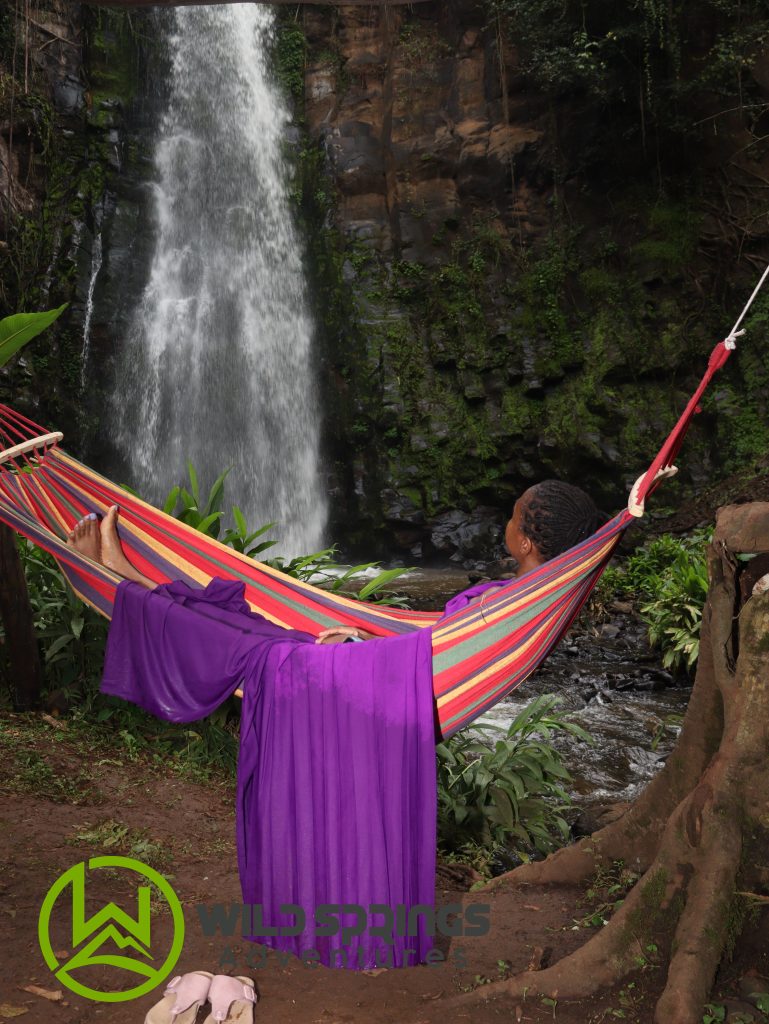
68	796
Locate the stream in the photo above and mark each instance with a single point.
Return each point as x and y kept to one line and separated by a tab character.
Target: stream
611	684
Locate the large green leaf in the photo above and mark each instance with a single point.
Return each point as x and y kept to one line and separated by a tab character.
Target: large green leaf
20	328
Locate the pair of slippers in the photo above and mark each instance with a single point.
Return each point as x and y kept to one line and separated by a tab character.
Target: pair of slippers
232	1000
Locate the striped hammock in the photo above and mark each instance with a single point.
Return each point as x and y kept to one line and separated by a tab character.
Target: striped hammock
480	653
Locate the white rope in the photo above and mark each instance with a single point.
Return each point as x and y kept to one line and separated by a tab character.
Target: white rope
634	506
730	341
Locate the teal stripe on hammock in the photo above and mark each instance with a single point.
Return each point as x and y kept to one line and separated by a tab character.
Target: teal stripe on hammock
461	650
520	588
545	628
488	698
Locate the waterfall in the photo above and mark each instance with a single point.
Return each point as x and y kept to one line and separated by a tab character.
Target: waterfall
96	262
217	367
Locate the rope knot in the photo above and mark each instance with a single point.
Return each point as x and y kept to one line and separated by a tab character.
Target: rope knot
730	341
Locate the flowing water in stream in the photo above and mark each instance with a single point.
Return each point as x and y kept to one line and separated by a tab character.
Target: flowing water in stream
610	683
218	367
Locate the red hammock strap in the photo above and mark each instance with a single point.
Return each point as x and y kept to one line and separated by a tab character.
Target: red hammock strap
672	445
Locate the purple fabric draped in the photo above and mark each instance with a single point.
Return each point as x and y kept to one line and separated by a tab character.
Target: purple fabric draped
471	594
336	801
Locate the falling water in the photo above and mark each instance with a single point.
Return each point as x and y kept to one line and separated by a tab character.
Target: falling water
96	262
218	367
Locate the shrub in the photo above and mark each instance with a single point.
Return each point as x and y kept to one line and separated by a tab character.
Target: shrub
71	633
669	575
508	793
674	615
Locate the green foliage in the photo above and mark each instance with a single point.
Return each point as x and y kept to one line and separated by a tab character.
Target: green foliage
670	576
17	330
508	795
323	571
290	58
714	1012
71	634
24	770
115	837
674	230
421	44
320	568
742	409
188	505
605	895
631	57
7	36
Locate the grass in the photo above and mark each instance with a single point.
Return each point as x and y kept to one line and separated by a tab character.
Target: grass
115	837
24	770
34	755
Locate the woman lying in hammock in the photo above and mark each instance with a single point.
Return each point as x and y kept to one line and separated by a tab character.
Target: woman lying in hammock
547	519
336	804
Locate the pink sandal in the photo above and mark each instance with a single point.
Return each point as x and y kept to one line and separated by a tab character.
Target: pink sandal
183	997
232	1000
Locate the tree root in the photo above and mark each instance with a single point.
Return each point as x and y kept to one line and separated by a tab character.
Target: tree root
695	867
687	829
634	838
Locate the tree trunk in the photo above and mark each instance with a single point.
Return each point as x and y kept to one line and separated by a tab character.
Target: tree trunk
16	614
703	820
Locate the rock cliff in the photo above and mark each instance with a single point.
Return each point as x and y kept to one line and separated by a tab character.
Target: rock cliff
520	294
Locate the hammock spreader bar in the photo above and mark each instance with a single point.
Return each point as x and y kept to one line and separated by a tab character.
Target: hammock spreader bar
480	653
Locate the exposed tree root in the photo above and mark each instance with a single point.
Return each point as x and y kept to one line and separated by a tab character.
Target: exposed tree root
634	838
687	831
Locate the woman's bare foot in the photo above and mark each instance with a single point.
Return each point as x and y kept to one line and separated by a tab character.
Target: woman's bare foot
112	555
103	545
85	538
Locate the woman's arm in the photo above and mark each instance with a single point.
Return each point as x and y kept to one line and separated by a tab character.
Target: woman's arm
338	635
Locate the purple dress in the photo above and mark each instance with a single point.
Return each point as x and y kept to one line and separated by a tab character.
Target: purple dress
336	799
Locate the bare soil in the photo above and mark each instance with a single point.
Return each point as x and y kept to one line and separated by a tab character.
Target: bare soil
68	796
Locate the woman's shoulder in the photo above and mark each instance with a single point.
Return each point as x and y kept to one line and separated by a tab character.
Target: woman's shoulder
472	594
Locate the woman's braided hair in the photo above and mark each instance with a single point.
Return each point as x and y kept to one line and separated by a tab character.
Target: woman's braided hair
557	516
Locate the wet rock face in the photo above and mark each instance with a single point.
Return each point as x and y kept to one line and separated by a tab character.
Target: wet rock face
419	141
414	122
505	323
473	540
46	176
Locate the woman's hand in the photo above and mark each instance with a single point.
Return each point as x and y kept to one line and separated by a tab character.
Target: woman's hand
338	635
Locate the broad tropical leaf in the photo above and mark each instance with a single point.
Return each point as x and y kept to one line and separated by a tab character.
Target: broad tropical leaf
17	330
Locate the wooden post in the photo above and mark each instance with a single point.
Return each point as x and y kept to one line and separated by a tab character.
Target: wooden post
16	614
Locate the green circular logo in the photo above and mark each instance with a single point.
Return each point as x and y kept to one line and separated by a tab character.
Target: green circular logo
112	927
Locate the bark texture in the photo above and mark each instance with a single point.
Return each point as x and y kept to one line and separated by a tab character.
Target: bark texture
16	614
693	831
